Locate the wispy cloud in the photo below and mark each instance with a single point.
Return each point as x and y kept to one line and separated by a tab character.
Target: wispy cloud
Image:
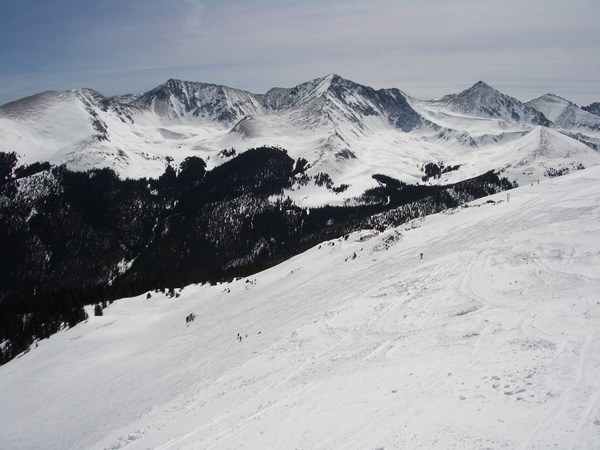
194	23
425	48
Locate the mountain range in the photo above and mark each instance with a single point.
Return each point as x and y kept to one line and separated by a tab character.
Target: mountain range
385	292
342	128
106	197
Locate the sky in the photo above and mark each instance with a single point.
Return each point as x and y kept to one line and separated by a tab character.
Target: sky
426	48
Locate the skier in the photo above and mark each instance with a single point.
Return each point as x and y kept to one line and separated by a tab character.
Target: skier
421	255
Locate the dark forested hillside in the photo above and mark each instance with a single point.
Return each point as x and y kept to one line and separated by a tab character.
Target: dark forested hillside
74	238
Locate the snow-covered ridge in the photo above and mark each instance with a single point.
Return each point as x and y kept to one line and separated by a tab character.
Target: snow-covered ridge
565	114
342	128
183	100
489	340
482	100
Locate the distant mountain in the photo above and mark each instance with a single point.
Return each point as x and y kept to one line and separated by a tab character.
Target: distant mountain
482	100
186	100
340	127
335	99
102	197
328	120
544	152
565	114
593	108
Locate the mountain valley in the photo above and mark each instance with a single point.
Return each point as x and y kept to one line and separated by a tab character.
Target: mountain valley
400	273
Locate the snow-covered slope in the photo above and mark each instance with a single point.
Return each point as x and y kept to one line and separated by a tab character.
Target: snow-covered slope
337	101
342	128
45	126
83	129
541	153
186	101
482	100
565	114
491	340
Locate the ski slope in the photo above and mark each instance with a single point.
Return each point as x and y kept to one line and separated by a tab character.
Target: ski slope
491	340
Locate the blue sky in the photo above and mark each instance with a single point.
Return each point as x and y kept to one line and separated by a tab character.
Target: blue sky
426	48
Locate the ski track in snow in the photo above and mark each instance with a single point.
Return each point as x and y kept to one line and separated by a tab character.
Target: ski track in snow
491	340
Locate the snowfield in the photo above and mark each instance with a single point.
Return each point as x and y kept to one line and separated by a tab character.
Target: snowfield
491	340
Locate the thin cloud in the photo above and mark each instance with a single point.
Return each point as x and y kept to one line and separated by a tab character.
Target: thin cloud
424	48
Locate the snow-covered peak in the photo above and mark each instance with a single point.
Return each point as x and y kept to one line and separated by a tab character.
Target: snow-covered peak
279	98
177	99
551	98
544	152
551	105
341	127
47	126
333	96
479	93
328	81
563	113
39	104
36	104
482	88
482	100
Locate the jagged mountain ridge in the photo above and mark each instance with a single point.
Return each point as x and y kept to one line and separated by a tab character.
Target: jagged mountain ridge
353	100
593	108
341	127
178	99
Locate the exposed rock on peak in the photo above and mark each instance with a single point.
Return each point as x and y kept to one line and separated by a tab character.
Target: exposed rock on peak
178	99
332	97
